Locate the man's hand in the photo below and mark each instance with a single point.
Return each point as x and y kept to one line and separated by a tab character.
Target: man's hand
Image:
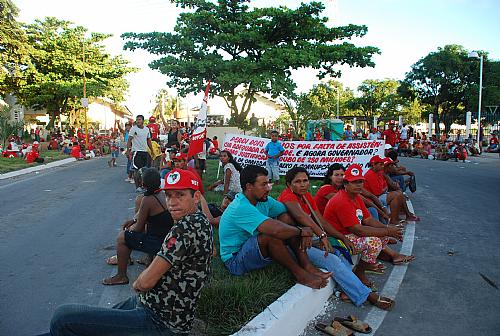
136	287
305	238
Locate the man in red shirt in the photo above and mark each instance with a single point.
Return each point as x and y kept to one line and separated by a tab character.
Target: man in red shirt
376	184
390	135
347	212
180	162
154	128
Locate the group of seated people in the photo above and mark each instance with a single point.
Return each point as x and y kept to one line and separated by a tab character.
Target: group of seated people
312	237
350	214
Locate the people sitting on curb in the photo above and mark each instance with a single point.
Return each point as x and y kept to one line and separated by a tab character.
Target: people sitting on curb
303	209
376	184
347	213
255	230
146	231
231	175
168	290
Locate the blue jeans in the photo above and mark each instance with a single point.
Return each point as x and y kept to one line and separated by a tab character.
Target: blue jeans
400	179
247	259
129	164
341	273
373	212
125	318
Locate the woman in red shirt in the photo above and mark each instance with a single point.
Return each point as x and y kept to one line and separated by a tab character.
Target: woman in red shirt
331	184
300	204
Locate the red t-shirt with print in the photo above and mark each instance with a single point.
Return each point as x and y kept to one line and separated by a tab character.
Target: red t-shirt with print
375	182
320	197
343	212
287	195
390	137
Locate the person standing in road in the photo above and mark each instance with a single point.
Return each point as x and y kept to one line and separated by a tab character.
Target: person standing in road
274	149
168	290
139	139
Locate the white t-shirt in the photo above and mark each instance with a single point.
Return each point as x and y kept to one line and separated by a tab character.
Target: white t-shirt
139	138
404	133
234	184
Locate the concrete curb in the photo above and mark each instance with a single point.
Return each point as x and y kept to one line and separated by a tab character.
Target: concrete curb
36	168
291	313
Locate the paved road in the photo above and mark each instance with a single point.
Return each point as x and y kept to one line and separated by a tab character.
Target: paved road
56	229
443	292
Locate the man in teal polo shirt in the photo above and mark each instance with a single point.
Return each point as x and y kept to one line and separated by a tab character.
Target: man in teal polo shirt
253	231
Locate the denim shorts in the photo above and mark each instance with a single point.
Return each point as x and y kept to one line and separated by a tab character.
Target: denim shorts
247	259
142	242
383	199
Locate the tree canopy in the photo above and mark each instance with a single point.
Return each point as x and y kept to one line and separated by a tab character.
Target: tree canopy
442	79
256	49
54	77
13	48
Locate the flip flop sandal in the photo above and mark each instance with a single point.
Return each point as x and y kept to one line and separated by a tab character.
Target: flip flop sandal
113	261
353	323
118	283
405	260
413	218
384	303
378	269
335	329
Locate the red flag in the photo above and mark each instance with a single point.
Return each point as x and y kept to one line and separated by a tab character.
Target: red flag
197	139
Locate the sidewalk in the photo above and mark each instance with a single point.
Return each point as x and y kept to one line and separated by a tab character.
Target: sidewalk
36	168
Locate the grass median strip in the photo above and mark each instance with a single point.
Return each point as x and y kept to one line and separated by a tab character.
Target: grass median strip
228	302
11	164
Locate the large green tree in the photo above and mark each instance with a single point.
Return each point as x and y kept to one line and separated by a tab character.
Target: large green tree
321	101
442	80
56	70
256	49
378	98
13	48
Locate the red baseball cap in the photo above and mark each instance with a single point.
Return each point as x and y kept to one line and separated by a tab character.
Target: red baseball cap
152	118
353	173
180	156
376	159
181	179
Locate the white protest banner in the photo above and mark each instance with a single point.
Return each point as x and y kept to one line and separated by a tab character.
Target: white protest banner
315	156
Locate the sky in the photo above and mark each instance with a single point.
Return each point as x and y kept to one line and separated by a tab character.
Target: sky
403	30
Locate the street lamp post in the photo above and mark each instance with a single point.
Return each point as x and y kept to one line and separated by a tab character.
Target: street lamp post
338	100
474	54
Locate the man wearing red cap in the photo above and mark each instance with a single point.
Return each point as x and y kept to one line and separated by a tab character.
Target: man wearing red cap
168	290
376	184
347	212
154	128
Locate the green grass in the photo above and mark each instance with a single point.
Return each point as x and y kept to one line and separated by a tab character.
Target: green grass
12	164
228	302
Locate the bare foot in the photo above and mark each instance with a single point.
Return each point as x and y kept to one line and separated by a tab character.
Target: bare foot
311	280
116	280
311	269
